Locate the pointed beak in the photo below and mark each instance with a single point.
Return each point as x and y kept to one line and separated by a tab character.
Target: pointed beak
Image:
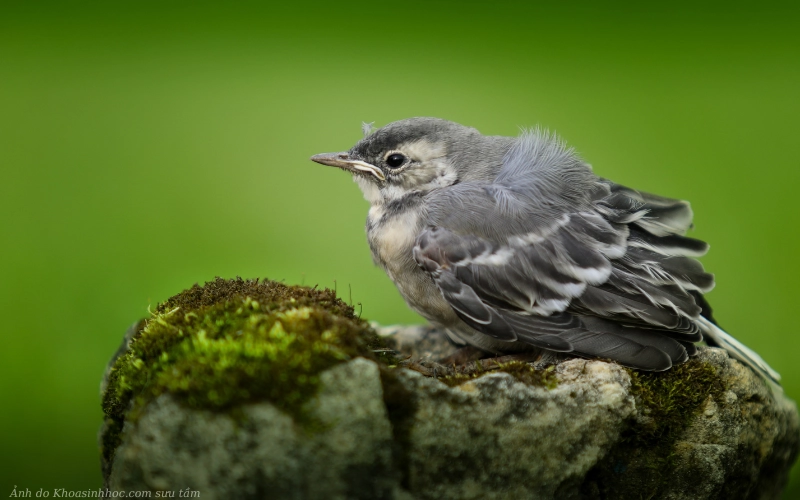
343	161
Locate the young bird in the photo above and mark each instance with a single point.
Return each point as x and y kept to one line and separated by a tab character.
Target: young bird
510	244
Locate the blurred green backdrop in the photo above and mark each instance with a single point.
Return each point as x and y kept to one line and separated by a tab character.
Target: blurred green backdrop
146	147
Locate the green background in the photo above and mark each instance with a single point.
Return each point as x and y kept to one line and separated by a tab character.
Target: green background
146	147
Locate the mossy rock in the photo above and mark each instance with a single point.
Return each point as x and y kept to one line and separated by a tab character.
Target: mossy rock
231	342
248	389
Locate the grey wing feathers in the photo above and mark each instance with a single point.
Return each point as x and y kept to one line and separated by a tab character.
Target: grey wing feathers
611	280
655	214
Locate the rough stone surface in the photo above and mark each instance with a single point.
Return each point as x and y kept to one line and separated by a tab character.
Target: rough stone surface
420	342
739	447
261	452
495	437
394	433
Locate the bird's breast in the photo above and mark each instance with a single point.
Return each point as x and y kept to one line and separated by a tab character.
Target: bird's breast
391	239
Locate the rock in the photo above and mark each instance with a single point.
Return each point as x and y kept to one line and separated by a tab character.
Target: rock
422	343
217	350
710	428
262	452
739	442
496	437
360	426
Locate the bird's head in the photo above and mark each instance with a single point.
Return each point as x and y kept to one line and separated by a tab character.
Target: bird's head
418	155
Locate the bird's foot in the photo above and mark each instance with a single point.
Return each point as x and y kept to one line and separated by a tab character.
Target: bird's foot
464	355
447	366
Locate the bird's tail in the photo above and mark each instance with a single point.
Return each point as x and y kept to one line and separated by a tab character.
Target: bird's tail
739	351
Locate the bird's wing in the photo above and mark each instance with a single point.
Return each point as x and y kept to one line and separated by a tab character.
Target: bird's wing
660	256
610	278
658	267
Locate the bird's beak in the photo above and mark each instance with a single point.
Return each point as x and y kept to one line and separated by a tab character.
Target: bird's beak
343	161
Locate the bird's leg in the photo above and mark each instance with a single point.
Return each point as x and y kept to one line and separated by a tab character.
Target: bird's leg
485	365
464	355
466	361
428	368
470	355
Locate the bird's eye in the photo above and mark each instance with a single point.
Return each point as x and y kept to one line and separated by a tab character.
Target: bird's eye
395	160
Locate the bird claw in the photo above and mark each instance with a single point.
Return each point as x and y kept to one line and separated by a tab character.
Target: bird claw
464	355
468	367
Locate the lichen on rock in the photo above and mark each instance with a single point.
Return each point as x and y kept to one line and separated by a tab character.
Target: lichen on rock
231	342
247	389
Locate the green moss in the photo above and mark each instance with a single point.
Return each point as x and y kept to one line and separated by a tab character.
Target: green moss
520	370
643	458
672	398
230	342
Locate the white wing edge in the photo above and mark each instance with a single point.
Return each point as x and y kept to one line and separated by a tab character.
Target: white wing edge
740	351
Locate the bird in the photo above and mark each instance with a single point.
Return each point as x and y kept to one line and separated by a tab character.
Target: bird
511	244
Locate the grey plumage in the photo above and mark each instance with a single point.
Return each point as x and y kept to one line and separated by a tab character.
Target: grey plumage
513	243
